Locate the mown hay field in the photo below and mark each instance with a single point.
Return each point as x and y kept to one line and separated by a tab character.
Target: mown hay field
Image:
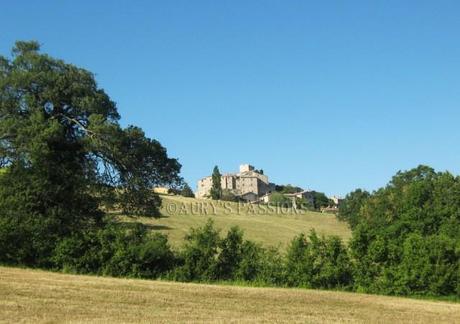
35	296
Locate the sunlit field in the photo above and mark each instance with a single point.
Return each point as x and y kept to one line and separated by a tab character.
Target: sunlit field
269	226
44	297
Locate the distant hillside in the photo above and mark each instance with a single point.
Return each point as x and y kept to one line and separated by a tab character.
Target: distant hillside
269	227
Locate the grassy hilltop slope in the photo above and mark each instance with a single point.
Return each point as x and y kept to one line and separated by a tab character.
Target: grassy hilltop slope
38	296
269	227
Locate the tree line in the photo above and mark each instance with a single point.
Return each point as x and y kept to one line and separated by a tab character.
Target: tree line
405	241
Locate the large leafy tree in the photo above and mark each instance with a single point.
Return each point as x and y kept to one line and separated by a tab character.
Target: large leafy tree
63	152
406	236
349	209
320	200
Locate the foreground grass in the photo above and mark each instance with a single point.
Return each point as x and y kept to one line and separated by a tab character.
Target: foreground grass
269	227
39	296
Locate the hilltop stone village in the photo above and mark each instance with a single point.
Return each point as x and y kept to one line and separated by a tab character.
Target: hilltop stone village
252	185
249	184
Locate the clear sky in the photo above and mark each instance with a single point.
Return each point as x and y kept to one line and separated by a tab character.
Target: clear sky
327	95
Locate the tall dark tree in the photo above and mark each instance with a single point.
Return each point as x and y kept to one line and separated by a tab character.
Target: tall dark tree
62	150
186	191
320	200
216	188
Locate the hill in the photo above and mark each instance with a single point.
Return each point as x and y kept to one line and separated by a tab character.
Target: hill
38	296
269	226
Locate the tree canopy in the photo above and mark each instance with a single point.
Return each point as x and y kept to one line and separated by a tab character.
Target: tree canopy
351	205
64	153
406	236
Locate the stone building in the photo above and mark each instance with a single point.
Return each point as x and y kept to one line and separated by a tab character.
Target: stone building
249	184
308	195
337	200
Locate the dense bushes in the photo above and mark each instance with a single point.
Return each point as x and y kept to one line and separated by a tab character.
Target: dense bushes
406	241
37	209
131	251
406	237
117	250
422	265
199	256
429	265
207	257
318	263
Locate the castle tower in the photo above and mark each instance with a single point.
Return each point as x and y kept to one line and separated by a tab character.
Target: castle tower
246	168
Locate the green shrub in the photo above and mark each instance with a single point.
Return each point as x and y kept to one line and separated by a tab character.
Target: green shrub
38	209
429	266
80	253
251	262
231	254
117	250
271	268
280	200
199	255
318	262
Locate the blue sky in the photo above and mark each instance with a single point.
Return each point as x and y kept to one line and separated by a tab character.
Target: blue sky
327	95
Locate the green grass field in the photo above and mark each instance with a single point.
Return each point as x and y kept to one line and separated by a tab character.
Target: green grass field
33	296
275	227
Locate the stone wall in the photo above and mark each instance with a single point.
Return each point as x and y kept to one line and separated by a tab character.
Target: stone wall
241	184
